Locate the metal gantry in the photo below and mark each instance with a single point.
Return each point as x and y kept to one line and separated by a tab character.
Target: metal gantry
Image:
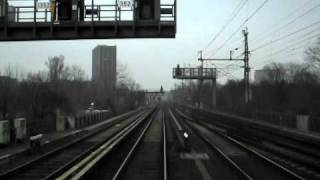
79	19
153	96
201	74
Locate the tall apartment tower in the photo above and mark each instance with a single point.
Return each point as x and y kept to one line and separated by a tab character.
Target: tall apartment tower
104	72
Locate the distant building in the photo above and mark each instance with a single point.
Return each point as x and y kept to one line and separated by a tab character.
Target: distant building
104	71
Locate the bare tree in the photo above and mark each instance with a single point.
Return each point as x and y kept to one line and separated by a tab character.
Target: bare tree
128	93
66	73
7	92
313	58
77	73
276	72
122	74
41	76
313	54
55	66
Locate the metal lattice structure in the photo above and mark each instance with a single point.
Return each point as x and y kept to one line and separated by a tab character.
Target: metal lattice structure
200	74
194	73
79	19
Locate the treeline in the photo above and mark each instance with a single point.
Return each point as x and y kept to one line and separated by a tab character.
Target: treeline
38	96
287	88
290	88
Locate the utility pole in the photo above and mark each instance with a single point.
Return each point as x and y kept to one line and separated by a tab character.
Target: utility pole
200	82
247	93
214	93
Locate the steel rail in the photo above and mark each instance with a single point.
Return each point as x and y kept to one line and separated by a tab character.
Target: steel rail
246	148
132	150
84	165
257	154
263	157
165	172
28	164
270	154
223	155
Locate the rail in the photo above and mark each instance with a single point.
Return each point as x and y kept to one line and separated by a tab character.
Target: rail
61	149
78	170
230	162
242	146
129	155
165	172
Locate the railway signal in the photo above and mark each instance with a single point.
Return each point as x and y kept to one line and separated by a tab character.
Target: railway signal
198	73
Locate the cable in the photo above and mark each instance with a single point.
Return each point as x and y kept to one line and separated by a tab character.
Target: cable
286	50
223	72
296	39
286	17
291	22
286	53
294	47
235	12
285	36
244	22
301	37
296	10
289	53
297	43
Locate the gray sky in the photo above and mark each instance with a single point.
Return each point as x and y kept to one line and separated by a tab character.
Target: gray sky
150	61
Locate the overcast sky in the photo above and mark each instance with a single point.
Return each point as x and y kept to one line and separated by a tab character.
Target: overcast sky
150	61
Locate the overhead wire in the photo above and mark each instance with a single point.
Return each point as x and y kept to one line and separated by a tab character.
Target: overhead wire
285	36
235	12
288	49
224	72
245	21
290	22
300	41
241	26
297	45
277	29
280	56
284	52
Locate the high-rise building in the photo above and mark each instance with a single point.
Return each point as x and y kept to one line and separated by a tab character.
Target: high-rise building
104	71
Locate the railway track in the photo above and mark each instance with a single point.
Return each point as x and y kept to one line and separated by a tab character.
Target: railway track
6	165
263	134
247	161
139	152
303	160
177	167
51	164
299	168
218	167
